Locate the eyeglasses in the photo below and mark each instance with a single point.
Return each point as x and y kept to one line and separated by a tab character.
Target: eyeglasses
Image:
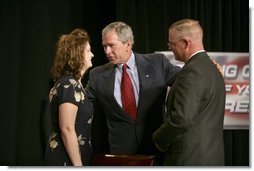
170	44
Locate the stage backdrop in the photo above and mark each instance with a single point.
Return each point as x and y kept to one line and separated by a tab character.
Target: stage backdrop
236	74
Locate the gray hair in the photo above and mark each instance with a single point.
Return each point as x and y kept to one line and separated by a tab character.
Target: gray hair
123	31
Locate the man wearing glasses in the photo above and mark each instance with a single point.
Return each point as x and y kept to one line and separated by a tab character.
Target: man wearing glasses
192	133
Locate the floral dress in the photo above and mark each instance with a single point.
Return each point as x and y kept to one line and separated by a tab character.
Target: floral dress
67	89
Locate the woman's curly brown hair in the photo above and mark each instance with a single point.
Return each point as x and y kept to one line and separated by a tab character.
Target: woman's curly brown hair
69	58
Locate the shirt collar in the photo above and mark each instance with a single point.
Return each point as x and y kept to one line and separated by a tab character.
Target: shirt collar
196	53
131	62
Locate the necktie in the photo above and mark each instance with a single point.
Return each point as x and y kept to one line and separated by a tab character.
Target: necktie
127	94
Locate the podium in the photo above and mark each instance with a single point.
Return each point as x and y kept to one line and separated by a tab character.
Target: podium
123	160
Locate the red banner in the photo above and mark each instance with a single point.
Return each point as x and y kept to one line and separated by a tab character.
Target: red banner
236	71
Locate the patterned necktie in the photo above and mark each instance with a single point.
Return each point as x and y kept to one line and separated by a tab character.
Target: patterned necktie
127	94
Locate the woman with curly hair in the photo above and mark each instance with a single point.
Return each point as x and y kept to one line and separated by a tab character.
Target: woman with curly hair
71	111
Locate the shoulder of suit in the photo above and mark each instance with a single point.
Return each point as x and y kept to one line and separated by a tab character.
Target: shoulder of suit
103	67
150	56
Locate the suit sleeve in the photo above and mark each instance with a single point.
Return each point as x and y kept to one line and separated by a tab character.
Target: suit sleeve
91	87
99	132
183	106
170	71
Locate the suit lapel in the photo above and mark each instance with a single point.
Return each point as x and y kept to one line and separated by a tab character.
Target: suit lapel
109	80
145	78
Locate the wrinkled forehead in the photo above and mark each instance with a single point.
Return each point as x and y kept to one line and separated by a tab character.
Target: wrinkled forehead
109	36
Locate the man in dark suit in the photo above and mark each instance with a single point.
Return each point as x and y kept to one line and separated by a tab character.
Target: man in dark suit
192	133
150	75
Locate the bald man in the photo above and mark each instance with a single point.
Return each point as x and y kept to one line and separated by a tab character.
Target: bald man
192	134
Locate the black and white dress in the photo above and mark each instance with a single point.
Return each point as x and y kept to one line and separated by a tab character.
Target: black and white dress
67	89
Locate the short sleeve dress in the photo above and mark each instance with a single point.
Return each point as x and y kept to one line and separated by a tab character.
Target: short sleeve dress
67	89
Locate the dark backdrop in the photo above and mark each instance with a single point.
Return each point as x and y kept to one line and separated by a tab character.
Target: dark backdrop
29	30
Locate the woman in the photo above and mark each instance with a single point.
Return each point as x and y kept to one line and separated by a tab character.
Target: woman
69	142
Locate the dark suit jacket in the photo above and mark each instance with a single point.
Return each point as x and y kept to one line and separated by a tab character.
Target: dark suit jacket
193	131
124	135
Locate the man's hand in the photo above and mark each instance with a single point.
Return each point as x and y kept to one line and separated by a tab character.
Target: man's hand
218	67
